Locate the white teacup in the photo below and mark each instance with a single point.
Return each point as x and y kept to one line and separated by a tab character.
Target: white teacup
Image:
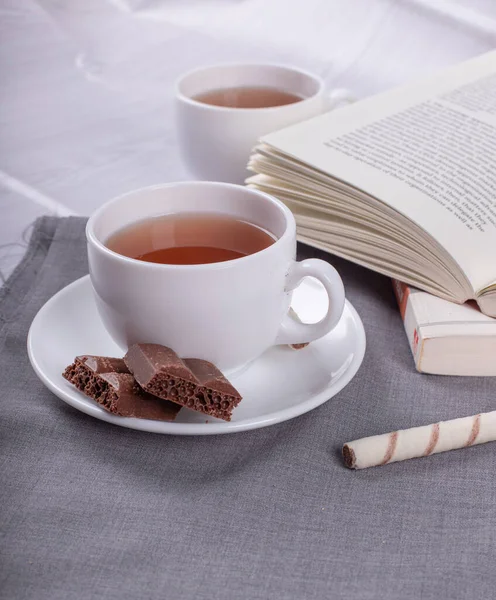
228	312
216	141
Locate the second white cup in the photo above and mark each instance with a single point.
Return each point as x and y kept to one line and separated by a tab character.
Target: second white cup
216	141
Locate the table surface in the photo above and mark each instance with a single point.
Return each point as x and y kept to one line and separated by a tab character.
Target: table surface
86	84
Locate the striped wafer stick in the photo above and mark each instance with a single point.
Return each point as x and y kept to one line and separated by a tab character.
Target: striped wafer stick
420	441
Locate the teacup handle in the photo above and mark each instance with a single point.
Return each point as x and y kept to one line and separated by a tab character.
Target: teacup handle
338	97
294	332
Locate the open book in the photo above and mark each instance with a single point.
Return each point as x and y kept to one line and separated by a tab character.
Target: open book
403	182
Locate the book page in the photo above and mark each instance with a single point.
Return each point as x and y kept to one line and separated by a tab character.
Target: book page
427	150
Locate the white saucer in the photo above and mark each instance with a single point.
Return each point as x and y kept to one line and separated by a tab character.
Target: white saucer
280	385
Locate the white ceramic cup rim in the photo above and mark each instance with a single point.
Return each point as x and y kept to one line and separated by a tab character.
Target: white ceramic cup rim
92	238
214	67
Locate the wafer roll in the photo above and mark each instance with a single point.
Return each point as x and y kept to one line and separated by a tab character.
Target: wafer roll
420	441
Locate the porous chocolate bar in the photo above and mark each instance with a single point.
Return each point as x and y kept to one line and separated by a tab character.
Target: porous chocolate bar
190	382
109	382
85	367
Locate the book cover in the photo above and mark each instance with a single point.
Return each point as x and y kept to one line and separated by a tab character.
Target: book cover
446	338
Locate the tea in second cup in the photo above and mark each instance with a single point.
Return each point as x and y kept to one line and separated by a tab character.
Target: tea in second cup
225	311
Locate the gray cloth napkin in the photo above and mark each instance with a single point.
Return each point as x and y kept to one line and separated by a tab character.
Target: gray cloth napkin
91	510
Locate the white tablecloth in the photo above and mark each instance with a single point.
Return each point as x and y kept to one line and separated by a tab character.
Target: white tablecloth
87	84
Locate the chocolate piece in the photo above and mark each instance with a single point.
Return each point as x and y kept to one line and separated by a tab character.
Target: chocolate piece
84	367
124	397
295	316
109	382
192	382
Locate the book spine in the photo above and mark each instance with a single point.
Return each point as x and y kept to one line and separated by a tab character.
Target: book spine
404	297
